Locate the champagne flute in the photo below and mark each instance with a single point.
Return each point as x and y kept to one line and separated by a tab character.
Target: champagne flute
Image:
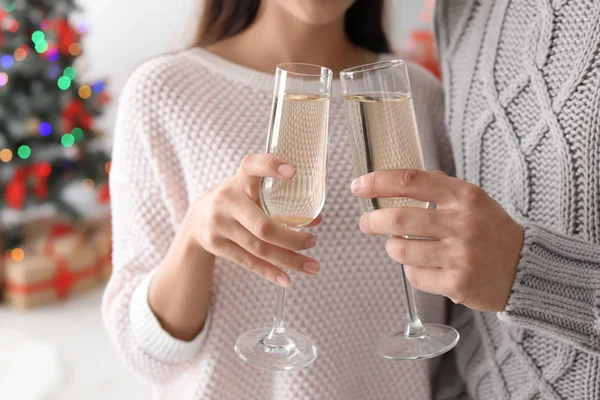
384	135
298	133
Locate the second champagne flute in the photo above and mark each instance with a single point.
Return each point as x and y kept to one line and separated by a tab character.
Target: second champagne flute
384	135
299	134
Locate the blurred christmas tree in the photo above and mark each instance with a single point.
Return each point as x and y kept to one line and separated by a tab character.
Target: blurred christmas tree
47	113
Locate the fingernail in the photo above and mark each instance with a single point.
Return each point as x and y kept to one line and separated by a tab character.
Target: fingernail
356	184
282	280
310	267
286	171
362	223
312	242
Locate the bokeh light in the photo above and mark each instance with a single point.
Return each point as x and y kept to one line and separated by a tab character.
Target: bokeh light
13	26
52	54
9	5
24	152
64	83
20	54
6	155
41	46
82	28
67	140
38	36
45	129
98	87
108	166
77	134
7	61
17	255
88	184
75	49
70	73
3	79
85	92
54	71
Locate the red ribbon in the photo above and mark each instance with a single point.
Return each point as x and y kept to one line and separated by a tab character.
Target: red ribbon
64	279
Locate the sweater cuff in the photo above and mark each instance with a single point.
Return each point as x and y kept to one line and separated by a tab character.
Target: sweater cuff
150	335
557	288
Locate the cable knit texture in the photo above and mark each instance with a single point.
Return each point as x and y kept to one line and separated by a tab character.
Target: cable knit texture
184	124
522	80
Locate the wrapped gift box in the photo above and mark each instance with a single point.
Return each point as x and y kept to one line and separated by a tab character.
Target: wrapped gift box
52	269
101	239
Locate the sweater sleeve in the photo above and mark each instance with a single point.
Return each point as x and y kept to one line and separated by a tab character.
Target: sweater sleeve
143	229
557	288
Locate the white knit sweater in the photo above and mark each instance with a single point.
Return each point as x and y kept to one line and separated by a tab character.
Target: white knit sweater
185	122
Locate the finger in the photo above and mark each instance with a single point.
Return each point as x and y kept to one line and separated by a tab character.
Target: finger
317	221
273	254
411	183
406	221
268	229
244	259
266	165
430	280
425	253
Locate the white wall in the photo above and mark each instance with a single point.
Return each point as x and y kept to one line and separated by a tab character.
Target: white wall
123	33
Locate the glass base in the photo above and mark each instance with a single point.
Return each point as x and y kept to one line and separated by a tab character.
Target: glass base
292	351
436	340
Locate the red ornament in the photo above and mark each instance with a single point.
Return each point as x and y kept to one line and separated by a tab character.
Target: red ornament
16	189
66	35
104	194
75	115
2	16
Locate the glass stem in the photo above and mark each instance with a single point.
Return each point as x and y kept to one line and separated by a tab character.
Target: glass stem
276	336
414	328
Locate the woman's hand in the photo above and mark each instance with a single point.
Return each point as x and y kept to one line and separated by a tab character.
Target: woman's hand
476	248
230	223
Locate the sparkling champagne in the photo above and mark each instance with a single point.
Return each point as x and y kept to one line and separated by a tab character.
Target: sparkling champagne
384	135
299	135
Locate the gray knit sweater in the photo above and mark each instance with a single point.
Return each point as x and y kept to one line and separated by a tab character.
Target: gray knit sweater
522	82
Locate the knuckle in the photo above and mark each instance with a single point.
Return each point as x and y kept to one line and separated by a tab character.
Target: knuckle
262	228
399	218
397	249
220	196
245	163
472	194
213	225
259	248
408	177
272	164
255	267
211	240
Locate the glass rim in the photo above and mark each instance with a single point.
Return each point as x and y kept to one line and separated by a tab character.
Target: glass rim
371	67
324	71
